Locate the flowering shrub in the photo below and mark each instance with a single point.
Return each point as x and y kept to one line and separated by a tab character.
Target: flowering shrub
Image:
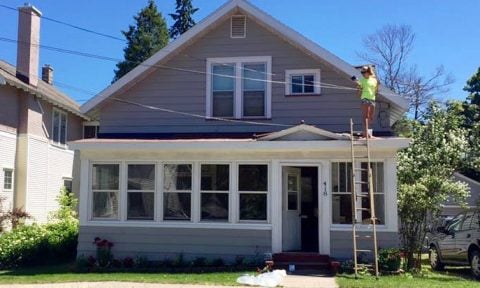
389	259
104	251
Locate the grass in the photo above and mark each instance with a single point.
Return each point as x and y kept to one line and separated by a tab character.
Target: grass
452	277
63	273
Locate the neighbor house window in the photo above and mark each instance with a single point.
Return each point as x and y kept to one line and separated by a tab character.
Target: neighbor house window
90	131
177	189
67	183
342	193
239	87
302	82
59	127
253	188
214	191
105	189
7	179
140	191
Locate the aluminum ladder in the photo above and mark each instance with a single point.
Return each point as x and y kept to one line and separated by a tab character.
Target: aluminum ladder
359	145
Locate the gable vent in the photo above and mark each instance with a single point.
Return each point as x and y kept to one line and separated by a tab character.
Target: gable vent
239	26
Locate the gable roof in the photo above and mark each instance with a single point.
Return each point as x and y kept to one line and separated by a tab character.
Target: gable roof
399	104
303	132
43	90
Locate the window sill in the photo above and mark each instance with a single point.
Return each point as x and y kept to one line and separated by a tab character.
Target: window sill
361	228
177	225
303	95
59	145
212	118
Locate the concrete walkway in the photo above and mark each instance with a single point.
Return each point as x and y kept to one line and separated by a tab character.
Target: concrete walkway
290	281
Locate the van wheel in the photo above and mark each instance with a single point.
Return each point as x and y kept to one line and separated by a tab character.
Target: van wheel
475	263
435	262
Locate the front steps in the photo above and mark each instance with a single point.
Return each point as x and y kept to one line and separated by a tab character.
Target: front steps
305	262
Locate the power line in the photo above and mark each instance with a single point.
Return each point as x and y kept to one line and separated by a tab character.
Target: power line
106	58
197	115
69	25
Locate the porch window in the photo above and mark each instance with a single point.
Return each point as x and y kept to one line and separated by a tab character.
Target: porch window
215	187
342	193
177	187
253	188
105	189
141	191
59	127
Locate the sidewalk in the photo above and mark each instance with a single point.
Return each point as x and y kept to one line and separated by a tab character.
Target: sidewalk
290	281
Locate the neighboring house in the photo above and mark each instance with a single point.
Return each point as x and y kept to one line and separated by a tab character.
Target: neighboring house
451	208
36	121
158	183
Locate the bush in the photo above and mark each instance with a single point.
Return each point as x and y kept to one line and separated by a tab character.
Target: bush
389	259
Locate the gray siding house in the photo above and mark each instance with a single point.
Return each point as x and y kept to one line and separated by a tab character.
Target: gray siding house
201	150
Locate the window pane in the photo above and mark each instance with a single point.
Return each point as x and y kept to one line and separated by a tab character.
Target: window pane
63	128
140	206
335	187
341	209
223	83
223	104
67	183
308	83
476	221
297	82
377	176
7	179
292	201
251	72
56	126
177	177
252	177
176	206
105	176
467	222
253	206
379	209
215	177
254	103
89	132
215	206
141	177
105	205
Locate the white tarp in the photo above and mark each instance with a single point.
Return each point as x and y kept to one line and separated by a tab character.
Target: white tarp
269	279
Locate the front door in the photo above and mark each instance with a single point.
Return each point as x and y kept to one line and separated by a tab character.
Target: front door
291	215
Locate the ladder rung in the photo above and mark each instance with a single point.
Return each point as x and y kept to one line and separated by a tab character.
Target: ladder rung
361	157
361	182
364	250
363	209
364	236
360	169
362	195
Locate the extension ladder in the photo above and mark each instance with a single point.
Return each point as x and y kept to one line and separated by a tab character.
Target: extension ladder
358	146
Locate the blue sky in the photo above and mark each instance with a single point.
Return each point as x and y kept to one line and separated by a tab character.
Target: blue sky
446	33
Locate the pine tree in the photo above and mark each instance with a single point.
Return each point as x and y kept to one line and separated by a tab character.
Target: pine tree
182	17
147	36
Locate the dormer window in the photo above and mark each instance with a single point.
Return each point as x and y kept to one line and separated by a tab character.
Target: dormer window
238	27
239	87
302	82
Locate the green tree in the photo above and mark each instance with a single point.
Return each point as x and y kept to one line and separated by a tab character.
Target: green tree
147	36
472	124
182	17
425	173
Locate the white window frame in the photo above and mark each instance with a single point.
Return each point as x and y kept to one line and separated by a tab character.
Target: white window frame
154	191
302	72
340	227
238	192
238	84
192	192
12	181
60	112
228	192
119	191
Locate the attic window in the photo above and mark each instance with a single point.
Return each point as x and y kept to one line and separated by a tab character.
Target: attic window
239	26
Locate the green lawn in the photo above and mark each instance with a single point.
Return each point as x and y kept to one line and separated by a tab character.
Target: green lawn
63	273
450	278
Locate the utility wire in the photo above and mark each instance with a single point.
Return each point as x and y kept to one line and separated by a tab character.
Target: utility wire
197	115
106	58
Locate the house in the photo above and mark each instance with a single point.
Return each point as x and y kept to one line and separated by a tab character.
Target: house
450	208
201	150
36	121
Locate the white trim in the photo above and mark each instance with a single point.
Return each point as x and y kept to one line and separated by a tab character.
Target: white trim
302	72
229	192
260	16
6	134
238	86
154	191
244	27
181	224
12	179
304	128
